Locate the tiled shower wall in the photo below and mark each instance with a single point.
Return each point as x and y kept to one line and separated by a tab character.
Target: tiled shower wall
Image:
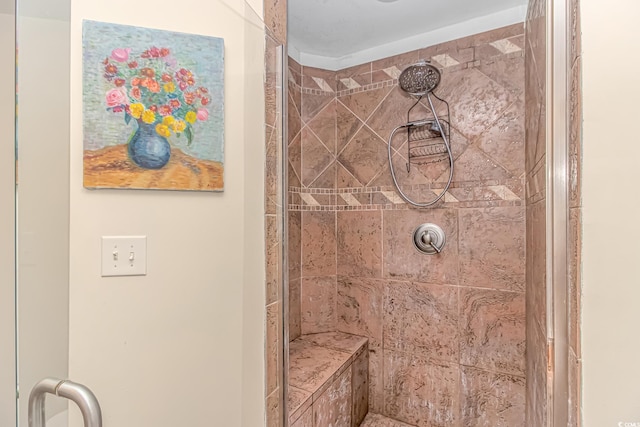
447	332
275	16
539	379
575	217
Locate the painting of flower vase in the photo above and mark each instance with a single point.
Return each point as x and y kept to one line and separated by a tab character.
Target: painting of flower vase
153	109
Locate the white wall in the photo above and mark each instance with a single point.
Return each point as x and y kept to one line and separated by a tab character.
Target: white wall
7	250
168	349
611	282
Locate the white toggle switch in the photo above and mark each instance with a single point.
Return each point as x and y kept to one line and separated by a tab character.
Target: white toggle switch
124	255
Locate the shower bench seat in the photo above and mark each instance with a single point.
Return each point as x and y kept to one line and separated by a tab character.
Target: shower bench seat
328	380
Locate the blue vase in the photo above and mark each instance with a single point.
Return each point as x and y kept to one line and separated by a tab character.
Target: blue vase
147	148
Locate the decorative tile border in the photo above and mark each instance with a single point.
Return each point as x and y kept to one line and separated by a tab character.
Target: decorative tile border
461	194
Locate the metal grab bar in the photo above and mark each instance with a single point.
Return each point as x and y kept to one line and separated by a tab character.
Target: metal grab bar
81	395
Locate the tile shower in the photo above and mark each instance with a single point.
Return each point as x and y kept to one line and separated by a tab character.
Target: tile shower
444	335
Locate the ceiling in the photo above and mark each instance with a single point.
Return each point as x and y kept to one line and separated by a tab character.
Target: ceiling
326	30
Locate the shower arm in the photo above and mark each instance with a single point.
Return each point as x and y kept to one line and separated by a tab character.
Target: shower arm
78	393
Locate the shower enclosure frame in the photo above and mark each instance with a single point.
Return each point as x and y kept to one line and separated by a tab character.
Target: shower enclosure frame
558	76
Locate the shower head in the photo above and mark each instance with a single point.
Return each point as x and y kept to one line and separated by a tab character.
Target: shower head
419	79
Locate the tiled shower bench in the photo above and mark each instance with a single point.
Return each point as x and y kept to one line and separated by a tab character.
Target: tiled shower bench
328	380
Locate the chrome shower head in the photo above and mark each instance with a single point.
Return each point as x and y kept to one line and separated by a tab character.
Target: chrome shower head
419	79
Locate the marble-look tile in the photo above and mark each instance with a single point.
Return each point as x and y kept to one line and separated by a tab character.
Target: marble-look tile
359	307
359	246
504	140
333	407
294	121
344	178
575	390
314	75
347	125
401	260
364	156
421	391
274	345
326	179
362	104
392	112
377	420
313	103
536	256
295	156
476	101
315	157
295	316
318	243
294	244
339	341
275	18
360	388
508	72
492	330
376	377
323	125
318	304
354	77
273	259
491	400
575	135
311	366
574	279
474	165
421	319
274	409
492	248
537	401
298	403
305	420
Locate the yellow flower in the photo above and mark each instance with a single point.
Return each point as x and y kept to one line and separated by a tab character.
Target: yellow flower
179	126
169	87
168	121
163	130
191	117
148	116
136	110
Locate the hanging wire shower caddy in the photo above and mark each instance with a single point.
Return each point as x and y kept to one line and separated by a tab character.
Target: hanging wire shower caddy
427	138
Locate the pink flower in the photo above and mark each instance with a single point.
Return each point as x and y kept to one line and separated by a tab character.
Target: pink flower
116	97
203	114
120	55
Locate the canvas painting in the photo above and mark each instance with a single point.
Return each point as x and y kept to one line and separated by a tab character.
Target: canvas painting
153	109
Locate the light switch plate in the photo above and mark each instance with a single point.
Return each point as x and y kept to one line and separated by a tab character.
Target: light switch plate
124	255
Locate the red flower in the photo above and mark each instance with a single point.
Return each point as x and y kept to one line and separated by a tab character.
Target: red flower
166	78
175	104
119	82
147	72
153	108
164	52
189	97
154	52
153	85
106	61
135	81
111	69
118	109
145	55
165	110
203	89
205	100
133	64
